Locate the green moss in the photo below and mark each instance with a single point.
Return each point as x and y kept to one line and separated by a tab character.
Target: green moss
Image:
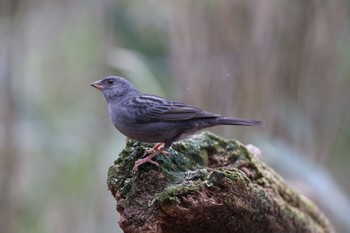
171	193
208	166
183	164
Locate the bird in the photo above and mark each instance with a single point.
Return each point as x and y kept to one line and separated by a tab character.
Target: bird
154	119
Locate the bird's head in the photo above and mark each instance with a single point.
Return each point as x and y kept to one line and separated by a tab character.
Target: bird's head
114	88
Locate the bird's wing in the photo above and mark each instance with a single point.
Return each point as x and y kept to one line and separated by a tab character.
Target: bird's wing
148	108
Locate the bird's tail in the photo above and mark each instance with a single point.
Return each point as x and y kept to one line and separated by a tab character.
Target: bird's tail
239	121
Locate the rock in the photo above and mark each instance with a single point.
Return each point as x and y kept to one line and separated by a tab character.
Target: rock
208	184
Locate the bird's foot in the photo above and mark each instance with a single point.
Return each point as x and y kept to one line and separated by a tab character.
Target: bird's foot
148	159
157	149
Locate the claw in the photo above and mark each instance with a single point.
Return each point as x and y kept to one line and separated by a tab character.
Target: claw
142	161
157	149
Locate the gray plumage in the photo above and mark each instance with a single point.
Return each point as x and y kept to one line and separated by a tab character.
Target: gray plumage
151	118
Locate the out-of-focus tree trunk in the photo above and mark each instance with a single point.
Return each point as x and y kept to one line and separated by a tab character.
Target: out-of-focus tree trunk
8	154
255	58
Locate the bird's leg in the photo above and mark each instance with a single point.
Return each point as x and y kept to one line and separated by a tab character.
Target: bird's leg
154	149
157	149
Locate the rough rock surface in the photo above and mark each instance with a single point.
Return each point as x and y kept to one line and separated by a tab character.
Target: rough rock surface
208	184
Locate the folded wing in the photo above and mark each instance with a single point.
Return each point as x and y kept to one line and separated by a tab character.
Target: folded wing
146	108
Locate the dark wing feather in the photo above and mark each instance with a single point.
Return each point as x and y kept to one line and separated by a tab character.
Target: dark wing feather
148	108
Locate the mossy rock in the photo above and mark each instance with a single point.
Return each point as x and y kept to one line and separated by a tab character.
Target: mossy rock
207	184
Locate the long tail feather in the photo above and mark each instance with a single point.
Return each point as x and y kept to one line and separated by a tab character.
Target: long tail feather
239	121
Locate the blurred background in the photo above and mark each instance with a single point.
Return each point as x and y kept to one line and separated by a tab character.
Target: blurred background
287	62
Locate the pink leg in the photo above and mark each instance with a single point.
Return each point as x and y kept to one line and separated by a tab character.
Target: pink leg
153	152
155	148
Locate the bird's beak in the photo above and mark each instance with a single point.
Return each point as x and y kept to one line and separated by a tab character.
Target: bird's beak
97	85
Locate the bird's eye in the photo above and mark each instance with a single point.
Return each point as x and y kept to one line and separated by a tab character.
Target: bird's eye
110	81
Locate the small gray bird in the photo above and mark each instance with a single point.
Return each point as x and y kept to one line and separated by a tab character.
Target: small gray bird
150	118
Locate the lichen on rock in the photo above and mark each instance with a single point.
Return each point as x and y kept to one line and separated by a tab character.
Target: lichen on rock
207	184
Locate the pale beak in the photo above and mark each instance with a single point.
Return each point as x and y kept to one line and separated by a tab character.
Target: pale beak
97	85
